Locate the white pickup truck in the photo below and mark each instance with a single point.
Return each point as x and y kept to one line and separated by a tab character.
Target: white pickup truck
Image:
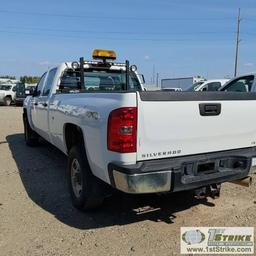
115	133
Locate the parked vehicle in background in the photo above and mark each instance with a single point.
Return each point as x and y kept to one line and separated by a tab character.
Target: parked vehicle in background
183	83
209	85
116	134
244	83
22	91
7	94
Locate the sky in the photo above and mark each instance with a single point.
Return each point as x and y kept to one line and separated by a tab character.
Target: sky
174	38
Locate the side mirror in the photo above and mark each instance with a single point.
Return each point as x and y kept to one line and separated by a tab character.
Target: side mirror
35	93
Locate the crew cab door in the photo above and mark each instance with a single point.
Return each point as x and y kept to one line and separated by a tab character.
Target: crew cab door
35	101
43	105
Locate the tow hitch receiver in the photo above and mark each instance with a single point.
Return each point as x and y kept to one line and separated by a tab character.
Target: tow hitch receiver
212	191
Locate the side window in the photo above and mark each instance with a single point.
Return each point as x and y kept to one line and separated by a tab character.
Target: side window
242	84
40	84
214	86
48	83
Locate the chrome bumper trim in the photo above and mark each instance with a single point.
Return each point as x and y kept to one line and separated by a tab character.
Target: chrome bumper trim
143	183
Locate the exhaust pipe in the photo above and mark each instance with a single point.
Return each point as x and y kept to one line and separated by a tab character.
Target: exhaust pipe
245	182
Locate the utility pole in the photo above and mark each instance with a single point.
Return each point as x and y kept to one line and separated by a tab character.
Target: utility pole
153	74
157	79
237	41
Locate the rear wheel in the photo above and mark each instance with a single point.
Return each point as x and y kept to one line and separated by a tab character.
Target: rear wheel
7	101
31	137
85	189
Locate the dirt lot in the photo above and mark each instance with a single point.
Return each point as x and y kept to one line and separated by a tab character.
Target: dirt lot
36	216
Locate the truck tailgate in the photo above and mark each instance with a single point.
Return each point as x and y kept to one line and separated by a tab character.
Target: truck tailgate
172	124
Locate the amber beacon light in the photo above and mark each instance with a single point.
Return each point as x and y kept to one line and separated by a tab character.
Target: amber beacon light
104	54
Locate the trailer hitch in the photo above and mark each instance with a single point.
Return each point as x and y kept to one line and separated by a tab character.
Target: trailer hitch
212	191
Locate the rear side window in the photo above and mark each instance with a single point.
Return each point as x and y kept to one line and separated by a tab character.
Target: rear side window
49	81
242	84
40	84
214	86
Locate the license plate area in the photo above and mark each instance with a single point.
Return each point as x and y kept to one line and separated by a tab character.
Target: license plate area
210	166
206	168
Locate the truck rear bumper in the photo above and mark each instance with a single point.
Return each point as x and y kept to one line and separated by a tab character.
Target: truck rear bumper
181	173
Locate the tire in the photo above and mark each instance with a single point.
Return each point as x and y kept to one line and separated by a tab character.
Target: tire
7	101
87	191
31	137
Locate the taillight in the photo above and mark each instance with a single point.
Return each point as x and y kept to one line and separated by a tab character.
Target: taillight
122	130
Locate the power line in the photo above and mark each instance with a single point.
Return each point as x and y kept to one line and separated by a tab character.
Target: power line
119	32
248	33
100	38
113	18
250	19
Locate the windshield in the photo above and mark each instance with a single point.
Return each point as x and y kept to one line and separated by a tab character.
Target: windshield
99	80
5	87
194	86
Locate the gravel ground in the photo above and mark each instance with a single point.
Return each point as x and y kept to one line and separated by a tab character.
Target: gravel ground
37	218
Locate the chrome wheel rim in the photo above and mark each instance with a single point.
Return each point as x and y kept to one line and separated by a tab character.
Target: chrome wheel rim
76	178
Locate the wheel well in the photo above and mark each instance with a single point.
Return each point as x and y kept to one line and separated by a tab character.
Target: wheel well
72	135
24	113
8	96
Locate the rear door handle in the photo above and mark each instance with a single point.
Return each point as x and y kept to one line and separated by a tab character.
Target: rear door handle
36	104
210	109
45	104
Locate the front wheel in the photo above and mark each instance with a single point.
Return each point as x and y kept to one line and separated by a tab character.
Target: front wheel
31	137
7	101
85	189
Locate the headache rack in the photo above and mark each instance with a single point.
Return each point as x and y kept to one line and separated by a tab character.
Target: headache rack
102	64
103	61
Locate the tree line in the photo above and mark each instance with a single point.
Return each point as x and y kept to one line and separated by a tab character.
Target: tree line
29	79
24	79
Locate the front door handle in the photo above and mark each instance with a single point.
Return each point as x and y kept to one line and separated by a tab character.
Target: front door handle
36	104
45	104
